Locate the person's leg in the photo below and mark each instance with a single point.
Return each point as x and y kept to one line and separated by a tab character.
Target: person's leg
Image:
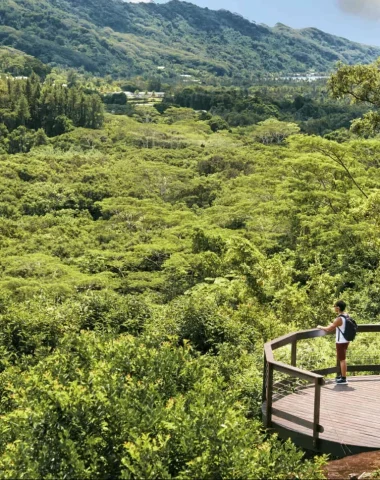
341	349
343	368
338	368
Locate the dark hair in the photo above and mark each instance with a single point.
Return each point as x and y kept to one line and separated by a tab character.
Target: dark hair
341	305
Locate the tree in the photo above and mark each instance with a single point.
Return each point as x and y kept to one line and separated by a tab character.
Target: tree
361	83
72	78
22	110
61	125
20	140
40	138
273	131
3	138
339	154
154	84
217	123
178	114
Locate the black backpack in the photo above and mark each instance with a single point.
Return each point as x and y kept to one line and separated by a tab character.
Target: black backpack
350	329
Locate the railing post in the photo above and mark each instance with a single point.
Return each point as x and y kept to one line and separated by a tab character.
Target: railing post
265	378
294	353
317	409
269	395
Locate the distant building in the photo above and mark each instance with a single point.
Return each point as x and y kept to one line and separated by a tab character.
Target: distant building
16	78
144	95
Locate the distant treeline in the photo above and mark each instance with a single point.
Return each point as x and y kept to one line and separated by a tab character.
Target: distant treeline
28	106
310	107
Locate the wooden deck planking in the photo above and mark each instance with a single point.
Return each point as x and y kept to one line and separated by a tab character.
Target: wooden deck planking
306	410
350	414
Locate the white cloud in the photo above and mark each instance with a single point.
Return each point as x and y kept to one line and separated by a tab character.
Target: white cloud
139	1
363	8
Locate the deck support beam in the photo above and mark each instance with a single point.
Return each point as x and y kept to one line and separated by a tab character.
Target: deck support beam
269	395
265	380
318	382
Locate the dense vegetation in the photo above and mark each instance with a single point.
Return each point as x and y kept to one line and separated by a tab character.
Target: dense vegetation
144	264
31	110
308	105
17	63
110	265
121	38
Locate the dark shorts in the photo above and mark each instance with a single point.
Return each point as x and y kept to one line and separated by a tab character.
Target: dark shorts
341	349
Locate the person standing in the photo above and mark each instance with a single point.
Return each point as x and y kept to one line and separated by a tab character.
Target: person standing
339	325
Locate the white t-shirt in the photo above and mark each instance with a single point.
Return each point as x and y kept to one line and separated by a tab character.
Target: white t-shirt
339	334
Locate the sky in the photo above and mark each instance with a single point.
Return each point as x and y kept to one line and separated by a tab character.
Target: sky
357	20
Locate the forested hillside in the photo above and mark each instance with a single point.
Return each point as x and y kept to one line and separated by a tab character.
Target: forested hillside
119	38
143	266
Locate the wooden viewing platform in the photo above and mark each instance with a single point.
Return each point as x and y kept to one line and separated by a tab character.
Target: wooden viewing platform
316	413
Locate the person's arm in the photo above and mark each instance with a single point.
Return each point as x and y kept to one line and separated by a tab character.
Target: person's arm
330	328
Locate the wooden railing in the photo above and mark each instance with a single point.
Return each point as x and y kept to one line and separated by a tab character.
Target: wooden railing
315	377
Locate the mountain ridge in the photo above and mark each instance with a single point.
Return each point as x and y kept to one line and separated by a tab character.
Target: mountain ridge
126	39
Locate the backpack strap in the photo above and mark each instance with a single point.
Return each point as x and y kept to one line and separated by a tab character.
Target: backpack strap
340	331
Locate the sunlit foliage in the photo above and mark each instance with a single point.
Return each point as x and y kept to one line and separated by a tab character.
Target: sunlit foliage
143	266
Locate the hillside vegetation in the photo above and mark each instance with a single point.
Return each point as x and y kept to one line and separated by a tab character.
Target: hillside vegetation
17	63
143	266
126	39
